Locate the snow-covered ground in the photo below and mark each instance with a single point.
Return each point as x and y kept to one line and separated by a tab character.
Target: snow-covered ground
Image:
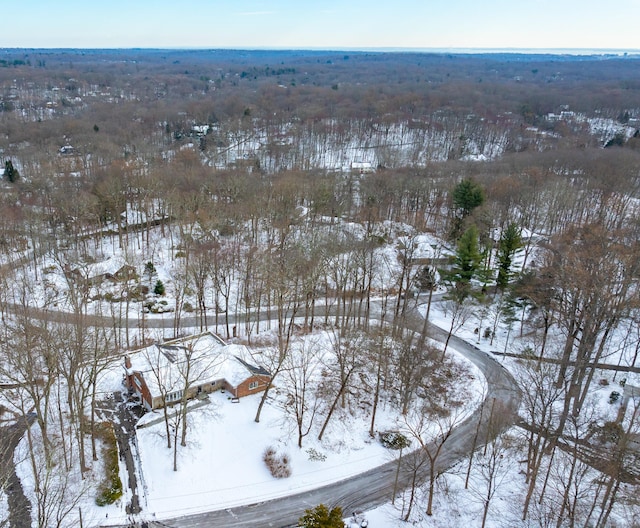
222	465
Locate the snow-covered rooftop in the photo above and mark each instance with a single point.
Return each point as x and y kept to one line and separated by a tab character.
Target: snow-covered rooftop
202	358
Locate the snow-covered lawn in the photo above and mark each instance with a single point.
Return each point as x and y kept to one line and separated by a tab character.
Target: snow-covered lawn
222	465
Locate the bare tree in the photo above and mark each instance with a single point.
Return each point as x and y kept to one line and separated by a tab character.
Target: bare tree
494	464
348	353
431	432
301	374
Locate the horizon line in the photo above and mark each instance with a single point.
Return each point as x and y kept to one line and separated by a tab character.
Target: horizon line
375	49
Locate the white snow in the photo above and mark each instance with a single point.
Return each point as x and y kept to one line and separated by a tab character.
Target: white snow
222	465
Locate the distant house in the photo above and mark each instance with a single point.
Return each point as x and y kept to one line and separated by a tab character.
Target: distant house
114	269
200	130
362	167
204	363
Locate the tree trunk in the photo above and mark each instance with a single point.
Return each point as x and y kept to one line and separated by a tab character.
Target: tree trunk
334	404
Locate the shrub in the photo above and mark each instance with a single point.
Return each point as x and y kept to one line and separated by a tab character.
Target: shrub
614	397
394	440
321	517
278	464
315	455
110	297
159	288
138	292
110	489
610	433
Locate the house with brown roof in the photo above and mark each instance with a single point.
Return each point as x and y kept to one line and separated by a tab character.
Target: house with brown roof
164	374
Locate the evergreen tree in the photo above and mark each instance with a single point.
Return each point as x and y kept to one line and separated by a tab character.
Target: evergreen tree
466	196
149	271
159	288
468	256
465	266
10	172
321	517
509	243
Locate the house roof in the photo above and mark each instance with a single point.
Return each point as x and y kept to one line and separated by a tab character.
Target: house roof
203	358
100	269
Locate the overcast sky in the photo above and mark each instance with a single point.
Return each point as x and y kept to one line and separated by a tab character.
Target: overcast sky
333	24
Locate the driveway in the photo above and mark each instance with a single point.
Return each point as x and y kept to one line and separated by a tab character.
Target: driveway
117	411
19	505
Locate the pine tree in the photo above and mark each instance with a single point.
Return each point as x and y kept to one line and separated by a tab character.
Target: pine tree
465	266
468	256
321	517
149	271
159	288
510	241
10	172
467	195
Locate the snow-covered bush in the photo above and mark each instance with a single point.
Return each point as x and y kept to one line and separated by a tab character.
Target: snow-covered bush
315	455
278	463
394	440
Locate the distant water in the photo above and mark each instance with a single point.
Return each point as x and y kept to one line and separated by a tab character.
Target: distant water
458	51
525	51
567	52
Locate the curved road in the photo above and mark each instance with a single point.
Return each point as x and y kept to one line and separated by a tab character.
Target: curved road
374	487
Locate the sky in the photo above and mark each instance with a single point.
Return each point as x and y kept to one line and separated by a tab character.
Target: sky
324	24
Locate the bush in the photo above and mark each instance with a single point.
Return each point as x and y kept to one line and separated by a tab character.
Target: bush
110	489
108	296
610	433
394	440
315	455
278	464
138	292
614	397
321	517
159	288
